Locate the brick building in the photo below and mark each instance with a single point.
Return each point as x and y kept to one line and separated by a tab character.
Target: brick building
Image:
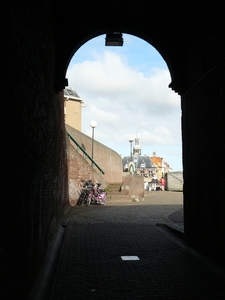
73	105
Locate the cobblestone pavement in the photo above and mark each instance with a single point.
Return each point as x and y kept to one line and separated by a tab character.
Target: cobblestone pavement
120	251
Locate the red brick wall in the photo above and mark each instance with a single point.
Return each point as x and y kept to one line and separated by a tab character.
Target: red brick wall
107	159
79	169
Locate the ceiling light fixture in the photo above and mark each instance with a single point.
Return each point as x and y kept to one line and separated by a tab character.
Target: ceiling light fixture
114	39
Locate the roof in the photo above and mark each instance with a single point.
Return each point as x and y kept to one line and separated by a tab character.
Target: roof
157	160
71	94
141	161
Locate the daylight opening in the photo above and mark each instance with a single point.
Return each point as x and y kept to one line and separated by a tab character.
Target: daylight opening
125	91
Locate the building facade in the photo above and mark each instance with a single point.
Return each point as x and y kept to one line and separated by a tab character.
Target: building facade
160	164
137	163
73	105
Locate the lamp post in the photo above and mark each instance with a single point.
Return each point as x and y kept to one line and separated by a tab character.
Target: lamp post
131	141
93	124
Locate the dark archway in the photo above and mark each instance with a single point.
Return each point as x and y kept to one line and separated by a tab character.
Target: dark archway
155	28
193	49
38	40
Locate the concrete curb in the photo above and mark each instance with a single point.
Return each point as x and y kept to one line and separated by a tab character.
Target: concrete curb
179	238
43	284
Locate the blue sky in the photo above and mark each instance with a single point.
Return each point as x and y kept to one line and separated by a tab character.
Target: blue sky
125	90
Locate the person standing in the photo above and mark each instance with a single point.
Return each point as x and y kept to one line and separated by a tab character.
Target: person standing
162	183
153	183
146	185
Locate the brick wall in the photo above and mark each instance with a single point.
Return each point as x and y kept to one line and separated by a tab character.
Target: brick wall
80	169
107	159
34	190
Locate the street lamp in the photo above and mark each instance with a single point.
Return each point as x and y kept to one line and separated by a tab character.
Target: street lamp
93	124
131	141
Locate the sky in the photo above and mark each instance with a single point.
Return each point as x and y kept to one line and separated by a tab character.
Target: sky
125	90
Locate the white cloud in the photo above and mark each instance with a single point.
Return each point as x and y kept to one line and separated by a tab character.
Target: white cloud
124	100
110	76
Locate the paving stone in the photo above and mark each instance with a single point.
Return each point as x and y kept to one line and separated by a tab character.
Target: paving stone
91	267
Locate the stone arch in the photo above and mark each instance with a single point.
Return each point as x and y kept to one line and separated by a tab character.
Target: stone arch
70	50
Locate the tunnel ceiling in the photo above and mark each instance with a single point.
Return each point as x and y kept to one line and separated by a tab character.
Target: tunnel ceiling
164	24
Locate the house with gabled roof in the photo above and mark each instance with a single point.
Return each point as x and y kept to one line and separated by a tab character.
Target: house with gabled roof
73	105
162	166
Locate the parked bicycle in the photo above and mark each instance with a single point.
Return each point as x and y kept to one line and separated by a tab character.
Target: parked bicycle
97	195
83	198
92	194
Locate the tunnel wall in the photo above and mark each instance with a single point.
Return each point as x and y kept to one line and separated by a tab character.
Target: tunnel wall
34	189
203	135
203	151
